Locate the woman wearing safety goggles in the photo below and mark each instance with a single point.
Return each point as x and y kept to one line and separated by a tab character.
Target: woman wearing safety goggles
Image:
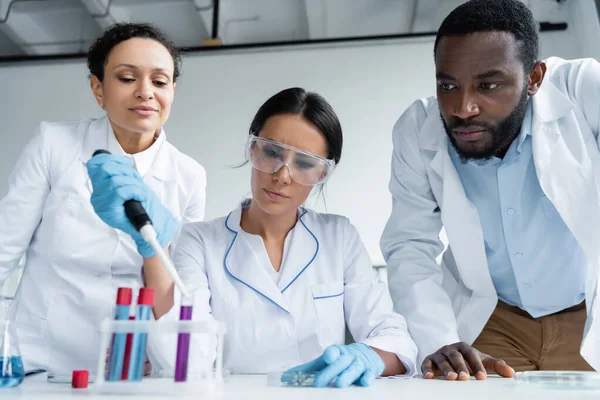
287	280
305	168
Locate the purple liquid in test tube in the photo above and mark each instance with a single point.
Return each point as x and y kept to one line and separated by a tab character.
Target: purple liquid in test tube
183	345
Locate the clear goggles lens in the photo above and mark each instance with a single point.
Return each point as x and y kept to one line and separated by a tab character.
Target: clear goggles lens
305	168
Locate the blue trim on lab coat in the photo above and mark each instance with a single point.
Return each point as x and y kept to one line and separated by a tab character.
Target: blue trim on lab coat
235	235
328	297
313	257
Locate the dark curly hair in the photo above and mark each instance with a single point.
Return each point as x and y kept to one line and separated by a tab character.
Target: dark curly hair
495	15
117	33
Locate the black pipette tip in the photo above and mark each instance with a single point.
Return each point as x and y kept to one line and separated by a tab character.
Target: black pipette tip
100	151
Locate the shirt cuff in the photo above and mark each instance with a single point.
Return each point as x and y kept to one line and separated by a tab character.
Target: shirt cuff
410	365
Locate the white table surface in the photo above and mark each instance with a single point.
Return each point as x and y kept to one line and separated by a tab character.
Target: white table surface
255	387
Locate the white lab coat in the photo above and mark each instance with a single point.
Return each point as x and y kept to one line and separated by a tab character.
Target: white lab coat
70	277
327	281
453	302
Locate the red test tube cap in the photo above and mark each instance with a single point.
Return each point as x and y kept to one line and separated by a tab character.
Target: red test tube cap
146	297
124	295
80	379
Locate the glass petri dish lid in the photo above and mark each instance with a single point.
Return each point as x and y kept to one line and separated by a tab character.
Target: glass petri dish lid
569	380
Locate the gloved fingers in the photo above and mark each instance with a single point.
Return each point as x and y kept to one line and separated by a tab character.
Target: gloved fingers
101	179
112	199
97	162
368	378
144	249
330	372
117	181
131	192
315	365
108	203
108	171
99	171
351	374
332	353
168	229
103	158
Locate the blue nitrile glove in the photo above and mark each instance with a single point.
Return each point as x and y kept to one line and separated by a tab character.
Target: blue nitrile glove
352	363
114	181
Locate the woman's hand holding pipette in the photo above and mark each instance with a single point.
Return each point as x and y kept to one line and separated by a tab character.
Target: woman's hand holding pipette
115	183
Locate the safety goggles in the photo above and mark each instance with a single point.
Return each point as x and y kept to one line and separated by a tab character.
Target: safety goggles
305	168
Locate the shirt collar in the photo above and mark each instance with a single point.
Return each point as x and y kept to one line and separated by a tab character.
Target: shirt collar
143	160
525	126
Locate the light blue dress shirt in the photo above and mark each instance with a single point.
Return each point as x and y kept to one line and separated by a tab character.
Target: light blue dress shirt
534	260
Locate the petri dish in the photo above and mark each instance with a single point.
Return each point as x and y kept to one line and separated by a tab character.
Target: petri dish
568	380
291	379
191	376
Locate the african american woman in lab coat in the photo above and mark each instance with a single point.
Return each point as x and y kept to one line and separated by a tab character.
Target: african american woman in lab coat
74	261
286	280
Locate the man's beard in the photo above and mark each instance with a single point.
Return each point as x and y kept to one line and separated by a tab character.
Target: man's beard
502	133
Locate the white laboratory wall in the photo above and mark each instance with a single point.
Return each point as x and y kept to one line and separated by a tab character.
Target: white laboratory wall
369	85
217	97
586	26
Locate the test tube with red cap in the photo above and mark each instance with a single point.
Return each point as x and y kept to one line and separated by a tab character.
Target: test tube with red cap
117	348
127	356
138	344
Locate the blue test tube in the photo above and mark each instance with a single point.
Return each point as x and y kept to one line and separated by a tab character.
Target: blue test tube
138	344
117	350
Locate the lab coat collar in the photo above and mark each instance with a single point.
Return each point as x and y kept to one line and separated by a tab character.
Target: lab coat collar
432	135
143	160
97	138
239	264
301	252
549	103
164	167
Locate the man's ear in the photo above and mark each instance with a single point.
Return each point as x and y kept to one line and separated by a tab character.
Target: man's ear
536	77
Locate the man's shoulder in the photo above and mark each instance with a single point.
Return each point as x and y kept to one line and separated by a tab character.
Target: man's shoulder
556	64
422	117
420	110
561	71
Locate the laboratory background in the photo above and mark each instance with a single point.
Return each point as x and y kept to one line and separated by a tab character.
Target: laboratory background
369	58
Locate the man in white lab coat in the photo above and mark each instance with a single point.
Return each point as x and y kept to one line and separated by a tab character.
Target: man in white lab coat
506	160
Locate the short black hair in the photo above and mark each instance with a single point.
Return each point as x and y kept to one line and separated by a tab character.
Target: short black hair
120	32
313	107
495	15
